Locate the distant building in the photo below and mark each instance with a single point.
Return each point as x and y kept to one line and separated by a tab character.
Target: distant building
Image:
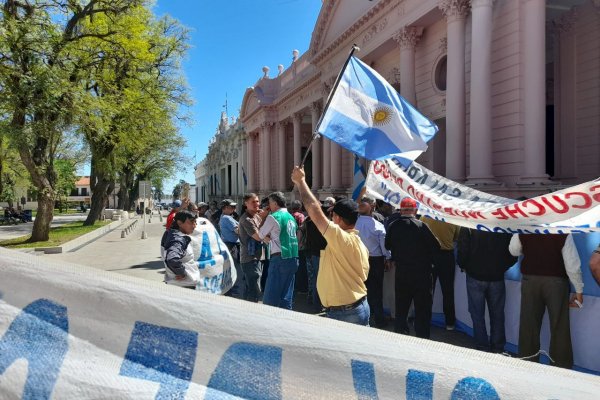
82	193
514	87
222	173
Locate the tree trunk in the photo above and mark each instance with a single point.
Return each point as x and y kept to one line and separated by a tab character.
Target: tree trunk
99	199
41	225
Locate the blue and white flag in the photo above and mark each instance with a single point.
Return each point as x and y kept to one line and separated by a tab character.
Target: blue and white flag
368	117
360	175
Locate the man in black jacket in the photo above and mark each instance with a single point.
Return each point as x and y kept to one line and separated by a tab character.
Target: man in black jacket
412	245
484	256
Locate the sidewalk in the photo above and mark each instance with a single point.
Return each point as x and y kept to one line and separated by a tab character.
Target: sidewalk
131	256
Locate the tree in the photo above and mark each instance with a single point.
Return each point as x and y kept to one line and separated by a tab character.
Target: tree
179	188
133	92
65	179
44	52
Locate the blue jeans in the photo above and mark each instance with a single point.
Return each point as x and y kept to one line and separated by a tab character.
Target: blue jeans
494	293
313	272
252	272
359	315
279	289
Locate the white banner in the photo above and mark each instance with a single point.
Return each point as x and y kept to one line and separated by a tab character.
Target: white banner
72	332
575	210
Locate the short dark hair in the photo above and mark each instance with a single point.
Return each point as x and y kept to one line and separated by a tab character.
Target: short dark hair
182	216
278	197
249	196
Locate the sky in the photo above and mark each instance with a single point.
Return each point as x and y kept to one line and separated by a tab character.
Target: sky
231	40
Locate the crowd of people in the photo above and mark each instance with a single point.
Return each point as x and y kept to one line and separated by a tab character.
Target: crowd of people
345	248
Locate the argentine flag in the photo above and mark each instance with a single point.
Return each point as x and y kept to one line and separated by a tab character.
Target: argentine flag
368	117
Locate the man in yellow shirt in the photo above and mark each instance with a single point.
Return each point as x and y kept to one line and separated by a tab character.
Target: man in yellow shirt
344	264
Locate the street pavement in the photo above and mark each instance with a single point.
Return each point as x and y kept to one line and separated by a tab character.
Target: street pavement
24	228
131	255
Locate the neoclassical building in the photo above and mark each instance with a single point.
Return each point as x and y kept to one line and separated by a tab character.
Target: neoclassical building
514	86
221	174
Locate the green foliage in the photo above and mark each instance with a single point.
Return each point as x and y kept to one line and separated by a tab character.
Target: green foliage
104	69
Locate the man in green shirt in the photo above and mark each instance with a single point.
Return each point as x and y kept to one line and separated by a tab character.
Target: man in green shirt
279	229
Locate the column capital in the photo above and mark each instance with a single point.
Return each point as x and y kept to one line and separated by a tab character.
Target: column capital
408	36
482	3
564	23
315	107
454	9
283	123
297	116
267	124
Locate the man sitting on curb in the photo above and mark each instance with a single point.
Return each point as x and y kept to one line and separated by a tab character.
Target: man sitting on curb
344	264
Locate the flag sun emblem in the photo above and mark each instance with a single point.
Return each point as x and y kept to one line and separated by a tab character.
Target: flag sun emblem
382	115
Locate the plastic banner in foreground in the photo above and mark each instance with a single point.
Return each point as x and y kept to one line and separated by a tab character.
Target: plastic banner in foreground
72	332
572	210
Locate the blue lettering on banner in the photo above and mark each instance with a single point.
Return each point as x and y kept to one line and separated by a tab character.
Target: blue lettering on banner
419	385
363	375
475	389
164	355
40	335
206	256
249	371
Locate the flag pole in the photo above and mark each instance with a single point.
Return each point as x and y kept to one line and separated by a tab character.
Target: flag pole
329	97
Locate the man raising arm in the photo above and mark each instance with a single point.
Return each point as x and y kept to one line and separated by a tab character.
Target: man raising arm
344	264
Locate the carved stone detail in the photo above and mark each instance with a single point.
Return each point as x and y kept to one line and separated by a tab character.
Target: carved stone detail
374	30
297	116
408	36
444	45
564	23
454	8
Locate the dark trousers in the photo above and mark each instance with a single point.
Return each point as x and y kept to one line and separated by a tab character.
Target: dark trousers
539	293
238	288
252	272
375	288
444	268
302	275
494	294
413	286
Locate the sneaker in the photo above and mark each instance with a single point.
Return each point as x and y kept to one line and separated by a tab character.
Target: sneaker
449	327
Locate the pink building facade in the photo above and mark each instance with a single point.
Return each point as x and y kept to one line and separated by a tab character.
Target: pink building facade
514	86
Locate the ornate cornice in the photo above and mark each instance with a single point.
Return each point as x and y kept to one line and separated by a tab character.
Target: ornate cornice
408	36
374	30
454	9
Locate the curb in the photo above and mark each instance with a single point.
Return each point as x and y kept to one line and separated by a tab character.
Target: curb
81	241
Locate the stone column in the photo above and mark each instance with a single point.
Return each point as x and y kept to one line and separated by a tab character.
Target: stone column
326	163
284	176
315	113
534	91
565	94
455	12
250	171
336	165
480	146
265	157
408	37
244	164
297	121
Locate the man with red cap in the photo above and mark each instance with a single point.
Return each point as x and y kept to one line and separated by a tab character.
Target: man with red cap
412	245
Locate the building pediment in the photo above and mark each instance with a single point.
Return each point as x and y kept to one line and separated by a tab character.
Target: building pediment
336	18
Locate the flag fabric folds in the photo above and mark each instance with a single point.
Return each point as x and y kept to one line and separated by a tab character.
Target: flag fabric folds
368	117
360	175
